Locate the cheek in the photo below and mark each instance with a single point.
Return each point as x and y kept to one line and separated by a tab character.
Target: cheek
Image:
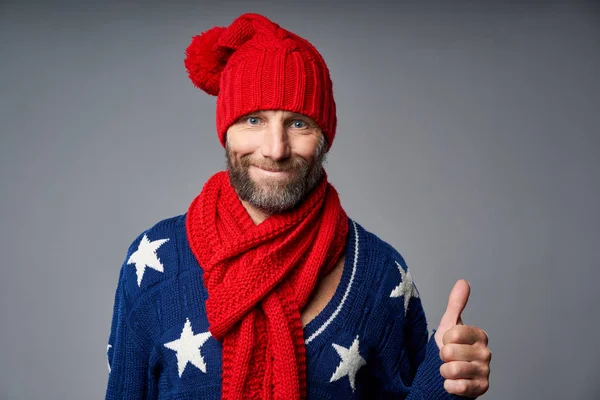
242	145
306	148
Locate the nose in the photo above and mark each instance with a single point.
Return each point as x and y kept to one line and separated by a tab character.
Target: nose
276	144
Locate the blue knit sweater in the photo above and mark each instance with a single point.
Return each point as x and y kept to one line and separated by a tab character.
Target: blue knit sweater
370	341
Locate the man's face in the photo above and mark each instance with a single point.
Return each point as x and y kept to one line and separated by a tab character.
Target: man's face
274	158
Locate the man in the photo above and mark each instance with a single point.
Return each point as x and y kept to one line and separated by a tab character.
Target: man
265	288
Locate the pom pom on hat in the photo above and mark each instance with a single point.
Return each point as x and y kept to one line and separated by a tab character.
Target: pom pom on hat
205	60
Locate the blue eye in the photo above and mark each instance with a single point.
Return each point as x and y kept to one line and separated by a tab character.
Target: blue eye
252	119
302	122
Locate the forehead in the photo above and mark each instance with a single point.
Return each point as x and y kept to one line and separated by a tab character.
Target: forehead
274	113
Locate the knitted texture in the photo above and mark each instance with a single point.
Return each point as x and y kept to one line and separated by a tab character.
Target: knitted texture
364	319
256	64
259	278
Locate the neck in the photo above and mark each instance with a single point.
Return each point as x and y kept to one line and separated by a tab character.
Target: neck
256	214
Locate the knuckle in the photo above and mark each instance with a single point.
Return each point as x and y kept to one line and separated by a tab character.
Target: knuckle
450	370
483	387
446	337
462	387
452	335
485	370
447	385
487	355
455	370
444	371
484	337
447	352
452	386
461	331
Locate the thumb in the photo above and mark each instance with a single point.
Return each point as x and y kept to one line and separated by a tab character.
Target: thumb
456	304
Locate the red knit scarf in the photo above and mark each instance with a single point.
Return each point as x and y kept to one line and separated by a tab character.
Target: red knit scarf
259	278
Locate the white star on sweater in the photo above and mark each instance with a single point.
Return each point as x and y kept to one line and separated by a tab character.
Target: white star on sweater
350	363
188	348
405	288
145	256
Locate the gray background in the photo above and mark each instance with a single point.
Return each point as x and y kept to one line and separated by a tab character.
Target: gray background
468	138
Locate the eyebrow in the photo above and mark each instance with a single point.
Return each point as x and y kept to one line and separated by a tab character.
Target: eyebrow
293	115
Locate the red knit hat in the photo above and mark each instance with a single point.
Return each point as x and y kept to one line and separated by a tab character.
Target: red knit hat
254	64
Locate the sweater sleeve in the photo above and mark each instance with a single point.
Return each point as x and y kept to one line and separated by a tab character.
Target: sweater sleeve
428	382
127	355
408	361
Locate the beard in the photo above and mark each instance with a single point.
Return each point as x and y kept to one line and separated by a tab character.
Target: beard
276	195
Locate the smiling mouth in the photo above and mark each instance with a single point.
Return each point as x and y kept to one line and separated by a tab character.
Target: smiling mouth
271	170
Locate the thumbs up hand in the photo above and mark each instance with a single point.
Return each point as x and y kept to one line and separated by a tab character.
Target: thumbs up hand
463	348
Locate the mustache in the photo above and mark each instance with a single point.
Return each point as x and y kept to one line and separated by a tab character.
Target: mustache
270	165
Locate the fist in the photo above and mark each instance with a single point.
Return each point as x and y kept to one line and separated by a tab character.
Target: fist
463	348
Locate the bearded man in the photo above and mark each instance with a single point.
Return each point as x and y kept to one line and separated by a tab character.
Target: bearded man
264	288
